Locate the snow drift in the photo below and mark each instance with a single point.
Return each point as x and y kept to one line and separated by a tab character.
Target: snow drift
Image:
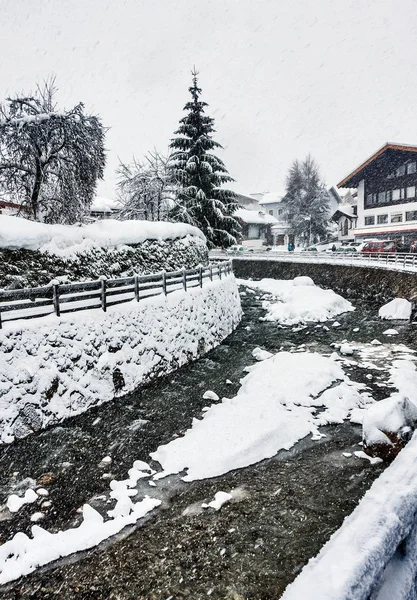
299	301
17	233
274	408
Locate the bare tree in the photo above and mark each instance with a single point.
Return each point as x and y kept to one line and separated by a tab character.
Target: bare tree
50	160
145	188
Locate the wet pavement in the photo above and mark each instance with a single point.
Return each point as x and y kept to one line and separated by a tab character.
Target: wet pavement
284	509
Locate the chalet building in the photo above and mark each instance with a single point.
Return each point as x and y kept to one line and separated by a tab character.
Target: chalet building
273	204
346	217
386	186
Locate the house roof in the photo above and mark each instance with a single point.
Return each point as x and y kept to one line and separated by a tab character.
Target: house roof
104	205
353	179
255	217
344	211
271	198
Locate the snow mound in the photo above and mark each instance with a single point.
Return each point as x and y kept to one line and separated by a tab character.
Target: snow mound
390	332
220	498
346	349
259	354
66	240
295	304
395	415
303	281
274	408
399	308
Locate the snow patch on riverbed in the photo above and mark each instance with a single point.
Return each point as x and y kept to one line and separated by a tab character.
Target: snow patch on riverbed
274	408
299	301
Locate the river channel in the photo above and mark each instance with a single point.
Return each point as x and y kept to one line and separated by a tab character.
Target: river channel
284	509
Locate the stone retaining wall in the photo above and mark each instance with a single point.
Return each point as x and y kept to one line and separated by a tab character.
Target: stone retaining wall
371	284
51	368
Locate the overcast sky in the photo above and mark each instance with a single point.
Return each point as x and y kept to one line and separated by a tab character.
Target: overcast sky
283	78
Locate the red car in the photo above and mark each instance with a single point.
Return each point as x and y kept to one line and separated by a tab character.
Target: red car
380	246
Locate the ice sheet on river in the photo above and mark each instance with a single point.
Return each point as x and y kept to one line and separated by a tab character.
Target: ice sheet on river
274	408
299	300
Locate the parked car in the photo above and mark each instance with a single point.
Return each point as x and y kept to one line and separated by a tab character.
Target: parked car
403	247
380	246
236	249
346	250
309	249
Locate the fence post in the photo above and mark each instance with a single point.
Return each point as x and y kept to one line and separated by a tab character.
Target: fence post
184	279
220	270
103	294
200	274
55	299
137	288
1	324
164	283
211	274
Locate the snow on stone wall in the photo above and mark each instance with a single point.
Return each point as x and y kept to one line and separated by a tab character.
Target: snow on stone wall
53	368
30	268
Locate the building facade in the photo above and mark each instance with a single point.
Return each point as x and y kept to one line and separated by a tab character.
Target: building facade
386	186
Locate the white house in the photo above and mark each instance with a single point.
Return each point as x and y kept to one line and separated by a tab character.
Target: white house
104	208
346	217
386	186
273	204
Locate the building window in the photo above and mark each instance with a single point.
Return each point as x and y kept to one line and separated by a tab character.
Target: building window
381	197
411	168
271	212
400	171
369	220
279	212
355	210
382	219
398	194
396	218
411	215
411	191
346	227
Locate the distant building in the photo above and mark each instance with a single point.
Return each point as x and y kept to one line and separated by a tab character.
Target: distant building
386	186
104	208
256	224
346	216
273	203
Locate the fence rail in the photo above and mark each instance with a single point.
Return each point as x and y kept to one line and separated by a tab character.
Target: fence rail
64	298
389	260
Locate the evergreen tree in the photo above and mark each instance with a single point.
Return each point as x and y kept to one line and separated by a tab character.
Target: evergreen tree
200	174
307	202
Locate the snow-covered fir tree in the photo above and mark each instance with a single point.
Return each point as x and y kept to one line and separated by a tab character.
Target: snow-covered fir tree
307	202
199	174
50	160
145	188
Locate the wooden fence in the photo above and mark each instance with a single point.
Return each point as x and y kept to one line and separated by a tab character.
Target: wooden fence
64	298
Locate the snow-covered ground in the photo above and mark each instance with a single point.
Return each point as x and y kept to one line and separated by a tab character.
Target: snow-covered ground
67	240
53	368
298	301
274	408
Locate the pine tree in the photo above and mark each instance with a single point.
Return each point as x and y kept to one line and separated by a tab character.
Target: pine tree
200	174
307	202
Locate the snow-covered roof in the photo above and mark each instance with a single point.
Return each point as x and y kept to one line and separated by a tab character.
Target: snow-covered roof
104	205
345	209
256	217
65	240
271	198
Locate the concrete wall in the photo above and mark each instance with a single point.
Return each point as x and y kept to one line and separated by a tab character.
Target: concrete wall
371	284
